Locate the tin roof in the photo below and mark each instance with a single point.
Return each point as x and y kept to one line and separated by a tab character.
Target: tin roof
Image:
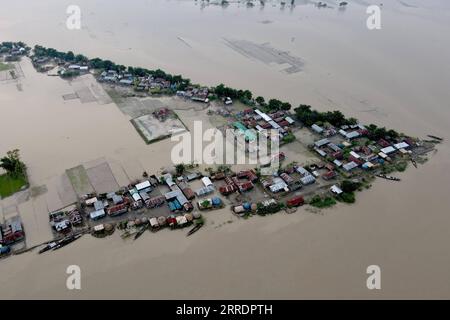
143	185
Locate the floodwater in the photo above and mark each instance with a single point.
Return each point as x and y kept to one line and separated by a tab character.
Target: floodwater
397	76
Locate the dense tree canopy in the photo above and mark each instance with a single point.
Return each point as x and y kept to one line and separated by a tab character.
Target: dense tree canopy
260	100
377	133
245	96
308	116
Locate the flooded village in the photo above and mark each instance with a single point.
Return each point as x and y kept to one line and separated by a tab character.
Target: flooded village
324	157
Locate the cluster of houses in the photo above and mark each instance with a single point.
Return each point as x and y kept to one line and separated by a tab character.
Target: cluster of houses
178	199
12	53
154	84
44	64
145	83
347	131
195	94
63	221
260	121
252	122
295	177
241	182
338	148
11	231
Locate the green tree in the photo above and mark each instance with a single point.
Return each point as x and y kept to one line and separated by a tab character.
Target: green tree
275	104
180	168
349	186
69	56
260	100
352	121
247	94
81	59
12	164
286	106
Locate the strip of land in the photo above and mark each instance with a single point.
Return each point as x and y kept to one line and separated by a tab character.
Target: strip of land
325	157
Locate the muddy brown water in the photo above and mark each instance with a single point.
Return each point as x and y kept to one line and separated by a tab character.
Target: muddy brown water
397	76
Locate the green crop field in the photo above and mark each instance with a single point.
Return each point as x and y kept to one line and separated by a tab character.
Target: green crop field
9	185
4	66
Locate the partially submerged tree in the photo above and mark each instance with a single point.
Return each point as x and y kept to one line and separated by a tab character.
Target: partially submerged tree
12	164
180	168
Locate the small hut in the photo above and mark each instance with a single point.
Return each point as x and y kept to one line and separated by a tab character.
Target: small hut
162	221
189	217
172	221
181	221
154	223
99	228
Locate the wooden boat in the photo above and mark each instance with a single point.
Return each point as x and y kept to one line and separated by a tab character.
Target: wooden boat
127	234
141	231
48	247
64	242
388	177
194	229
414	162
434	137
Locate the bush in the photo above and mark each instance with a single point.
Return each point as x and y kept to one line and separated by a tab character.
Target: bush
270	209
348	197
401	166
288	138
70	74
349	186
318	202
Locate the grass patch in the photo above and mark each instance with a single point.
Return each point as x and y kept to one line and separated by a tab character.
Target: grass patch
5	66
10	185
